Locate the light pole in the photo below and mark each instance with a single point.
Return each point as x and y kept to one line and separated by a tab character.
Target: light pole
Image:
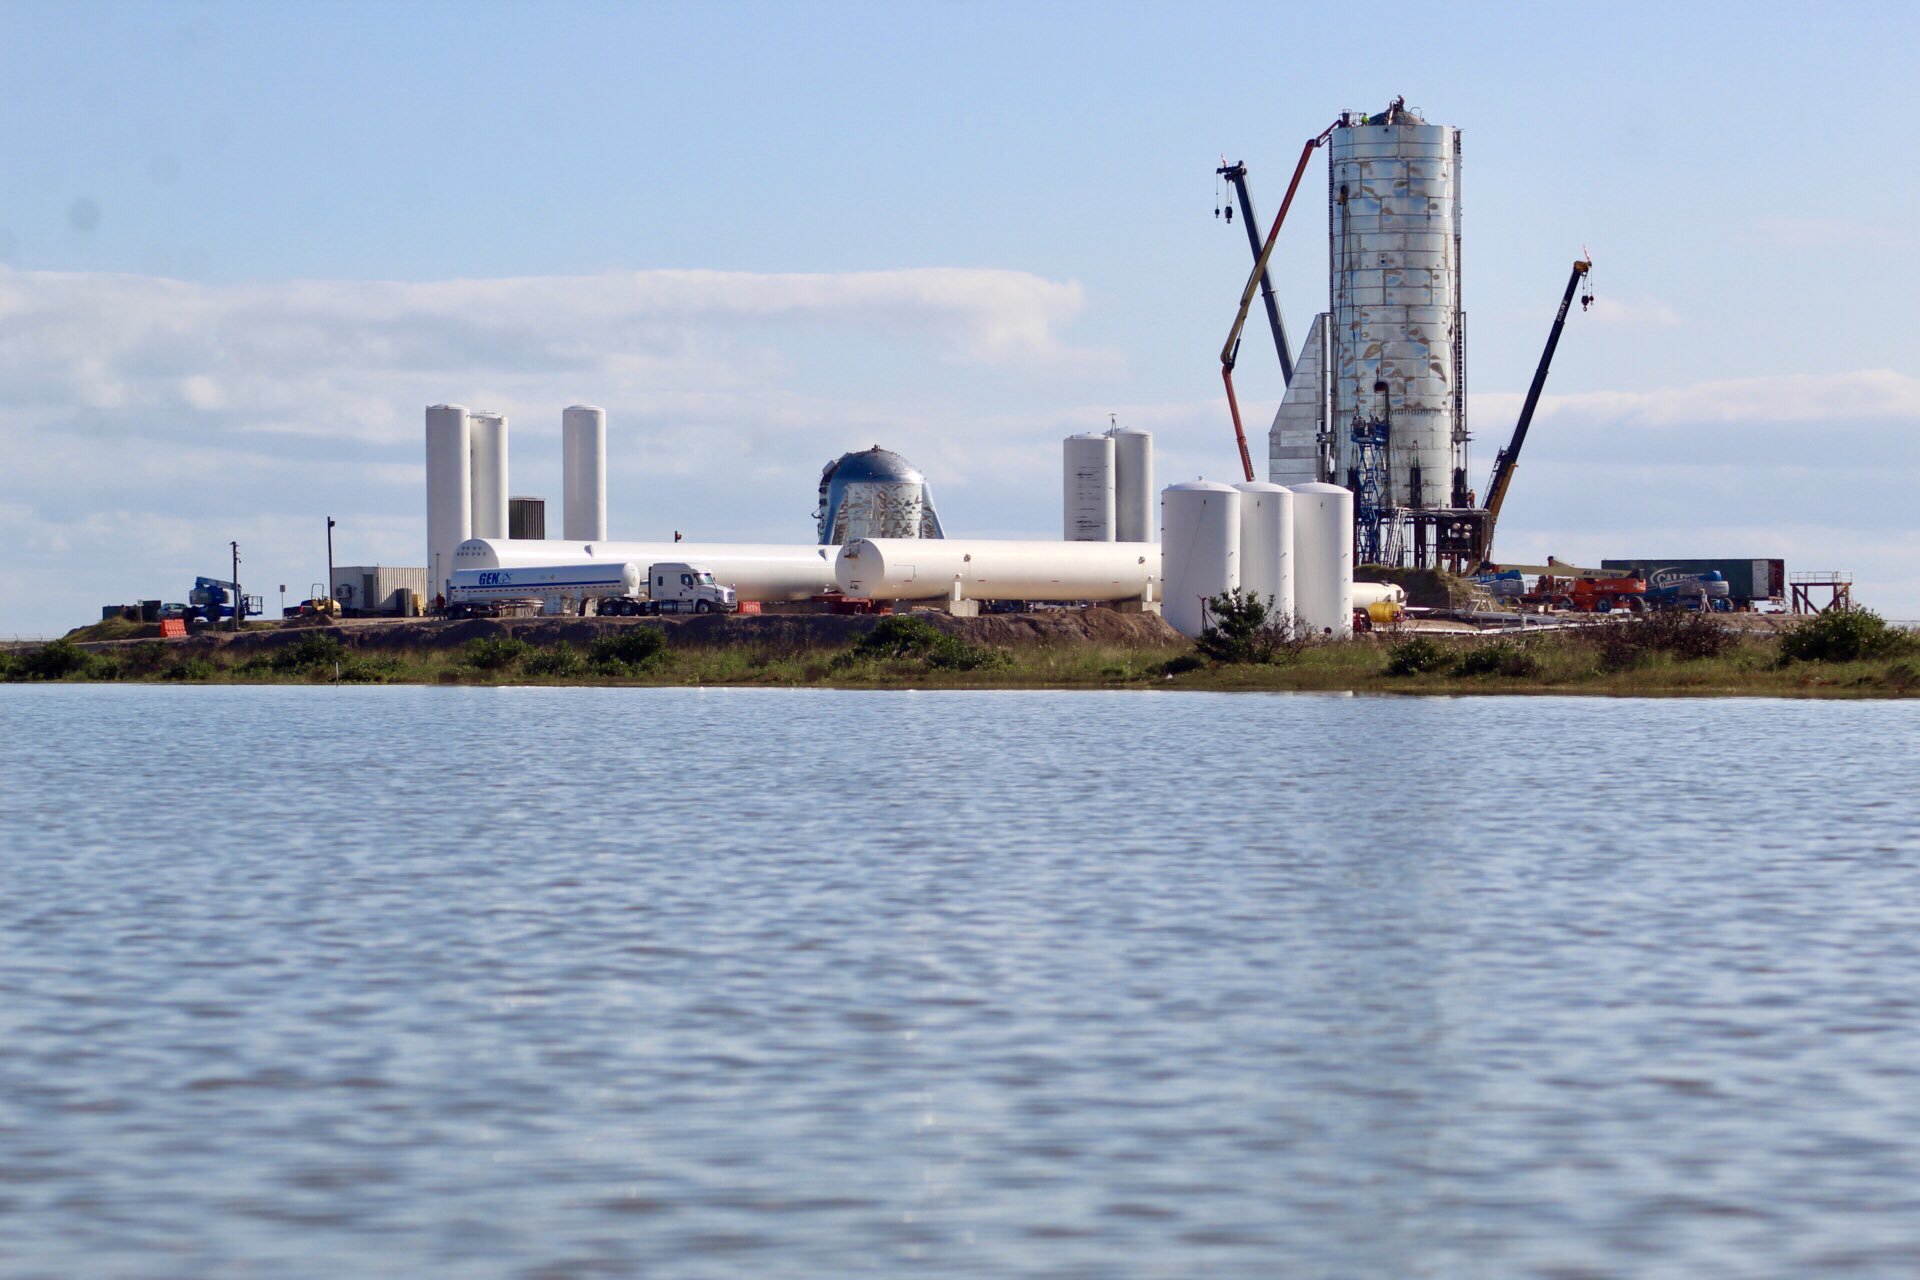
239	600
329	557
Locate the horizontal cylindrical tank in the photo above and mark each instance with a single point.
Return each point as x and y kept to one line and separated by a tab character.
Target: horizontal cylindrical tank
488	444
533	582
449	490
756	571
1200	550
583	448
1133	492
1089	488
1266	545
984	569
1366	594
1323	559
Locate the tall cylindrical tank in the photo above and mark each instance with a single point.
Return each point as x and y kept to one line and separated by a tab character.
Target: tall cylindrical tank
449	491
1323	559
1394	197
995	569
1133	504
583	447
1089	488
488	442
1266	544
1199	550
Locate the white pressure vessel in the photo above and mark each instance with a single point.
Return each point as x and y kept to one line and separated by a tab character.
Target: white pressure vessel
1323	558
1133	491
1369	593
449	491
488	444
1266	545
994	569
1200	550
1088	488
583	448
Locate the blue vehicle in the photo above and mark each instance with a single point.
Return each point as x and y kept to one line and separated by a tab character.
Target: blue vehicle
1706	592
212	600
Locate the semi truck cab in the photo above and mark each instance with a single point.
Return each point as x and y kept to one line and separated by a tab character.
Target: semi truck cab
676	587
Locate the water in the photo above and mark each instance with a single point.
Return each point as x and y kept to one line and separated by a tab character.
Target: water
458	982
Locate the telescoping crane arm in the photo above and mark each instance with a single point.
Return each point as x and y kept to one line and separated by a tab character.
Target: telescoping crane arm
1509	457
1236	176
1231	351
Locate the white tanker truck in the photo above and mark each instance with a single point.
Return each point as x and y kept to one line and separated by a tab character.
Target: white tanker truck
614	589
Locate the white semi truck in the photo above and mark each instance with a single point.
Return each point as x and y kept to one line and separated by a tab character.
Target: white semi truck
612	589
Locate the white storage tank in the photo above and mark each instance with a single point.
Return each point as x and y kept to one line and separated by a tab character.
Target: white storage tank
1323	559
1133	504
1089	488
1266	544
583	446
1394	197
488	441
449	491
994	569
1199	550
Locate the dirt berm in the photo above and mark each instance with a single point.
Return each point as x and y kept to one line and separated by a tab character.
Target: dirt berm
775	632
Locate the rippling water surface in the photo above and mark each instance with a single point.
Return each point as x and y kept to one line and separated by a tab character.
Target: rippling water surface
578	982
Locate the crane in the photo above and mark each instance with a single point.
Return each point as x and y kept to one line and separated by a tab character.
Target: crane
1509	457
1236	176
1231	351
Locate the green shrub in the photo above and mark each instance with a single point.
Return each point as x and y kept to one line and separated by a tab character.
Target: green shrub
561	660
1415	656
189	669
1181	665
369	670
904	636
1681	634
1241	628
8	666
55	660
494	653
627	650
1498	658
315	651
1845	635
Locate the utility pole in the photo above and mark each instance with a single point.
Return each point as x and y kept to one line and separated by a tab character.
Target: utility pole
329	557
239	601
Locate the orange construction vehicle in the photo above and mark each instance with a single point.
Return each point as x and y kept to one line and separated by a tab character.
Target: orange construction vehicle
1575	590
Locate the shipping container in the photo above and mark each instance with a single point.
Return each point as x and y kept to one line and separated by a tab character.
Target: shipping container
378	590
1747	580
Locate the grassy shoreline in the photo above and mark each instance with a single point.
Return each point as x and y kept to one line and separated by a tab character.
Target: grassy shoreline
1694	658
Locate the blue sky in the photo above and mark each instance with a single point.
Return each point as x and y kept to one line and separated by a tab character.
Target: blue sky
241	246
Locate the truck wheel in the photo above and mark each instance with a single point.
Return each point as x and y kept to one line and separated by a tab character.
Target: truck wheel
701	606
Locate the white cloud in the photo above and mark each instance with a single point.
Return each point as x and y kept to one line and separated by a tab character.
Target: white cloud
1811	398
146	421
